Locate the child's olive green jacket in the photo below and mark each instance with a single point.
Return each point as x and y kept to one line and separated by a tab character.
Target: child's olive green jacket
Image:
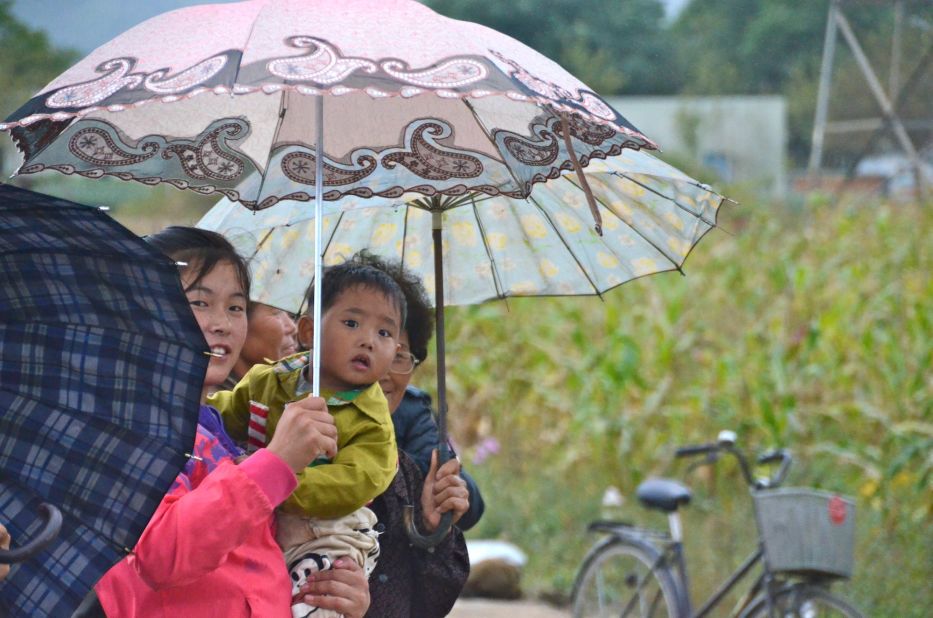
366	459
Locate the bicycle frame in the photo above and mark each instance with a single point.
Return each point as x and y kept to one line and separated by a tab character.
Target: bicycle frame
675	554
672	554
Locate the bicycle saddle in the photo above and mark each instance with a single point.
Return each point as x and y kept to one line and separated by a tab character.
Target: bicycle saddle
663	494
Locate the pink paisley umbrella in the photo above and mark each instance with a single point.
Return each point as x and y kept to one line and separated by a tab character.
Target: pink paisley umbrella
230	99
205	97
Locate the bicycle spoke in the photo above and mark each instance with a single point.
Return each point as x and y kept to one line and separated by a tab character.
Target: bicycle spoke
619	580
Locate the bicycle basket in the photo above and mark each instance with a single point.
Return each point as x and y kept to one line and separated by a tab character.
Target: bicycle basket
806	531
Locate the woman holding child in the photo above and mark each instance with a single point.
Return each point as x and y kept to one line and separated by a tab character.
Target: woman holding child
407	581
209	549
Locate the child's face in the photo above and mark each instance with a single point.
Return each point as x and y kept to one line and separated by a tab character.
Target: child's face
359	338
219	305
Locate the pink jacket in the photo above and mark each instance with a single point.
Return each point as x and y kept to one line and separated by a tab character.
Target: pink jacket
209	550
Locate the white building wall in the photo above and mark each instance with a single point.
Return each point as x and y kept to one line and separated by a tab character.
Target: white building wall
742	138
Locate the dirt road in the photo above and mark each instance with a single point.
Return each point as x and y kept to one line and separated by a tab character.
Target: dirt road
485	608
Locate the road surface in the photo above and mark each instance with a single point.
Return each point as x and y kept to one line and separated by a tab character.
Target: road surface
487	608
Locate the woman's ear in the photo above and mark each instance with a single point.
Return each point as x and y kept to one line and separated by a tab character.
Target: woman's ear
305	332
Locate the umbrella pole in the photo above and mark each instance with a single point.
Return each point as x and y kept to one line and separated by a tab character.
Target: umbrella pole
318	245
443	452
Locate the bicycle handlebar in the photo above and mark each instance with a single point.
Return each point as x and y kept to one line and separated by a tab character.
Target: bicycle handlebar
728	445
696	449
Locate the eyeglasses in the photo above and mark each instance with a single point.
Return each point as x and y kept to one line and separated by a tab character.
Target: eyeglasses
404	362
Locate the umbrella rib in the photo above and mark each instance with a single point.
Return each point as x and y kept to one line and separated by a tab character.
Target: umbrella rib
252	28
500	292
635	229
672	200
567	245
485	132
283	109
261	243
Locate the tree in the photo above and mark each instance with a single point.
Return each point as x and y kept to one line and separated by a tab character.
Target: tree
28	62
613	47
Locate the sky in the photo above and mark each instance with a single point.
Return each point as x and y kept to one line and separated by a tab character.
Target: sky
101	20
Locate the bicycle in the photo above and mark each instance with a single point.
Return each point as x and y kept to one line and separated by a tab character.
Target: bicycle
805	541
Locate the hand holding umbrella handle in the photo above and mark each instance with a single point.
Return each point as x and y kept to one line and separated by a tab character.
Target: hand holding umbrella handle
419	540
52	526
443	527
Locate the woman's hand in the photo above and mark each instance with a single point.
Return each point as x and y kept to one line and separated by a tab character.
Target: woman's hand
305	432
4	544
443	491
343	588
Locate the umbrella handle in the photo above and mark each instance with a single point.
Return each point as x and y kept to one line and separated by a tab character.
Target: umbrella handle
443	527
419	540
52	526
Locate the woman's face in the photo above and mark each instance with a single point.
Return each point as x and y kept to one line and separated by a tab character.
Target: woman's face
219	305
271	335
394	384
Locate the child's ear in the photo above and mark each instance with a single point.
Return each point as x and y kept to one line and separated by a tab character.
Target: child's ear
305	332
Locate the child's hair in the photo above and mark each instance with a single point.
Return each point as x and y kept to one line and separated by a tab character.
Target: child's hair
202	250
356	272
419	322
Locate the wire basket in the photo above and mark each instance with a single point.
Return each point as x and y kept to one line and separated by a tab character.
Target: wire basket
806	531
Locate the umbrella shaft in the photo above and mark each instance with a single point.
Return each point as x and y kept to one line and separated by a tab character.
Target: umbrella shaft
441	361
318	243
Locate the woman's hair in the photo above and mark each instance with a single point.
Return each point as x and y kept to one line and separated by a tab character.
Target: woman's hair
202	250
419	323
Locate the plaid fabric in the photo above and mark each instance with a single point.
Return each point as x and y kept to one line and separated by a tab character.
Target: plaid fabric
101	369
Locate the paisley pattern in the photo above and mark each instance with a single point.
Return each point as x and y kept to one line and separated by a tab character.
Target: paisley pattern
546	142
588	101
532	153
427	162
300	166
587	131
597	106
198	74
207	164
95	146
209	158
117	77
421	155
450	74
323	65
430	161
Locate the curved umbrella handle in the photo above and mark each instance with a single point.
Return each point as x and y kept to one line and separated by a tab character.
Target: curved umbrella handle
50	530
443	527
419	540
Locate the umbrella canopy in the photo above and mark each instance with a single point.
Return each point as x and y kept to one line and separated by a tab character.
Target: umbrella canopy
101	369
219	98
494	247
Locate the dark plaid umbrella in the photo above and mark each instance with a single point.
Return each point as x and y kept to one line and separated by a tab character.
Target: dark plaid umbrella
101	369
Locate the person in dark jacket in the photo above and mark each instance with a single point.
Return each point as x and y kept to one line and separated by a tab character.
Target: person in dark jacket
416	433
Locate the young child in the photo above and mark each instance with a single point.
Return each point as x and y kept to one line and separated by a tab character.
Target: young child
363	311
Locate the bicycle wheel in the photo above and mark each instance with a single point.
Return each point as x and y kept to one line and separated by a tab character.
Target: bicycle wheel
624	577
802	601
